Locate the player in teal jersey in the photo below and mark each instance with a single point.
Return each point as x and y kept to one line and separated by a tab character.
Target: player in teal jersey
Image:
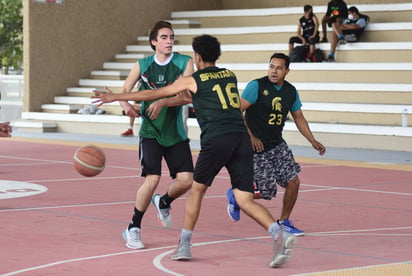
267	102
162	133
224	143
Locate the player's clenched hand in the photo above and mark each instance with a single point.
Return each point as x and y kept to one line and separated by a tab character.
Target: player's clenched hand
103	97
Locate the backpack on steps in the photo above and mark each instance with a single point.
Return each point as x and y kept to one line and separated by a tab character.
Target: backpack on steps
299	53
318	56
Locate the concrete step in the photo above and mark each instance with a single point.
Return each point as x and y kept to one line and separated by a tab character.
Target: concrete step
184	23
332	135
332	71
61	108
374	32
351	52
355	136
289	15
109	75
350	113
380	93
34	126
127	57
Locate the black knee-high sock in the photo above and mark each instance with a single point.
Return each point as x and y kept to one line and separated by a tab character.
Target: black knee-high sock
137	219
165	201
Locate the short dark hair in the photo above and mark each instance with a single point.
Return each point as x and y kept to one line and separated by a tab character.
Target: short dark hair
207	46
353	9
155	31
281	56
307	8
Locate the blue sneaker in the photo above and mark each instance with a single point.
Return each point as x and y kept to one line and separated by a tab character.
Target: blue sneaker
233	209
290	228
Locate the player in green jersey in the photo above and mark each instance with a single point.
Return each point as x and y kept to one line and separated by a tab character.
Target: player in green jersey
224	143
162	133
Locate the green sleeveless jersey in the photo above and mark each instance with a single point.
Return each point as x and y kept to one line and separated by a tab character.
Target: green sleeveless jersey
168	128
266	118
217	102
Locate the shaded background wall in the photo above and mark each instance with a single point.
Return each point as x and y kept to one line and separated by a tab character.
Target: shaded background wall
247	4
64	43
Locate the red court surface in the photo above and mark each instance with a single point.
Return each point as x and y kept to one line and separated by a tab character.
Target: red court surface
357	218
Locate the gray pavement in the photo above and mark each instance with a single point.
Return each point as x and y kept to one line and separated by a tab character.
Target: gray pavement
348	154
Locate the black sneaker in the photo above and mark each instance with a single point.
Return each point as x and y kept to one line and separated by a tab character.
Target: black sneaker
331	59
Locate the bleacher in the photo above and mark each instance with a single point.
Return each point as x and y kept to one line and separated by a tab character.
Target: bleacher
355	102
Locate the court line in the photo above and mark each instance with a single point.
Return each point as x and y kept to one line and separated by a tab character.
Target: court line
156	260
322	188
357	270
355	189
83	259
358	231
116	254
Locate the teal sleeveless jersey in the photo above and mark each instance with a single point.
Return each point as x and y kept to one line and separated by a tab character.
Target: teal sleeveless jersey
266	118
217	102
168	128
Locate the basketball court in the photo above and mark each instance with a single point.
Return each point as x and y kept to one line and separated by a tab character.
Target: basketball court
356	215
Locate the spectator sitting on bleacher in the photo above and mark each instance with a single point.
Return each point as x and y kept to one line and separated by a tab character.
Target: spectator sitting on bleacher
336	12
307	30
350	30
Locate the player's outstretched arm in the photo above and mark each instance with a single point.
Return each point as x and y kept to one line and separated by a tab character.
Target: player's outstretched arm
184	83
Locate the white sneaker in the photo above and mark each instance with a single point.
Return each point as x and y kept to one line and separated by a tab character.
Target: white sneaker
284	246
132	238
183	251
163	214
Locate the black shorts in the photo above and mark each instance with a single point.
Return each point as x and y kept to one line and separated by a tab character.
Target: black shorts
231	150
333	20
276	166
296	39
178	157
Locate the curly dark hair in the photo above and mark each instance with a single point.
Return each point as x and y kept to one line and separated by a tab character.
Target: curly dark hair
207	46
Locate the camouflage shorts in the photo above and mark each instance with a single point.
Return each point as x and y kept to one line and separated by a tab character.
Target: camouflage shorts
276	166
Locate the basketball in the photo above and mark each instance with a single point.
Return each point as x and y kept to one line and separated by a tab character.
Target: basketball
89	160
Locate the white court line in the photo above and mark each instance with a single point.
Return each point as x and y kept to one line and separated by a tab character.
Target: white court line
321	188
363	230
157	259
360	190
32	159
86	205
119	254
66	206
157	262
83	259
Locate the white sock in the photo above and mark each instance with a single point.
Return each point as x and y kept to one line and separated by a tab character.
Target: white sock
186	234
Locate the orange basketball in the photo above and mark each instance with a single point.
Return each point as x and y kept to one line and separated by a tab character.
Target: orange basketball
89	160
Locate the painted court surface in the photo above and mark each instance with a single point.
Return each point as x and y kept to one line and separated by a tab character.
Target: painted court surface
357	217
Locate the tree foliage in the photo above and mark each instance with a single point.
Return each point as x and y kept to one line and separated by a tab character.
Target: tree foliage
11	33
